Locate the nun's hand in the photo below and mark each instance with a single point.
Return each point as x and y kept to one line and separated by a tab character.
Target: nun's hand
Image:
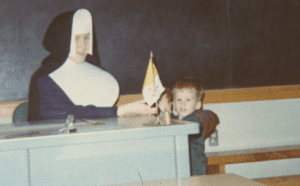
135	108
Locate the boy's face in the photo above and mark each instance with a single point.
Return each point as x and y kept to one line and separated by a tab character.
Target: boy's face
186	101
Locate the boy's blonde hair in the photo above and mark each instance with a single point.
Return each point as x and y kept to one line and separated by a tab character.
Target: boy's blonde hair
189	83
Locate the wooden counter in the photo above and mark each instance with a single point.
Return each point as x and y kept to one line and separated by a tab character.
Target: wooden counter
216	161
207	180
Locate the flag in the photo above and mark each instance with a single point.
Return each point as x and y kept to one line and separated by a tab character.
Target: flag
152	88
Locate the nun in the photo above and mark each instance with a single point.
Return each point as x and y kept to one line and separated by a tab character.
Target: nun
71	80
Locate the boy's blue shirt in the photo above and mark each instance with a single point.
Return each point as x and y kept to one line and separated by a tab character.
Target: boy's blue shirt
196	141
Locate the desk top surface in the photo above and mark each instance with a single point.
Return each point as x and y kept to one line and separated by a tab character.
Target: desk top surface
206	180
90	130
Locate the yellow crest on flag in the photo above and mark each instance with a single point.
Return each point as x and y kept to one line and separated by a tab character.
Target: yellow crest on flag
152	88
150	73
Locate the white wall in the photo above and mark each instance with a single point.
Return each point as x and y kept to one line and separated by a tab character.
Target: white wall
256	124
5	120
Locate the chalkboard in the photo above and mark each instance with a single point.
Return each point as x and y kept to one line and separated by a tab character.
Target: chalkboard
265	42
223	44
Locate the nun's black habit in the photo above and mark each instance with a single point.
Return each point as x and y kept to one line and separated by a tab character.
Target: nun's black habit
47	98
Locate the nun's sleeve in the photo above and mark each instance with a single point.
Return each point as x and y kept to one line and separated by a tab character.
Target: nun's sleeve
55	104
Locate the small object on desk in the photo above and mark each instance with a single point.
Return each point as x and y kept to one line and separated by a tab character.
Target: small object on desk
158	123
97	123
92	122
72	130
70	124
213	139
166	117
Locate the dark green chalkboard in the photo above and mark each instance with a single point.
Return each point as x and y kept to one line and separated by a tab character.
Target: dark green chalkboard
222	43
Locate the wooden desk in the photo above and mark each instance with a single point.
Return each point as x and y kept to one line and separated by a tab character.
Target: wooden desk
119	150
207	180
216	161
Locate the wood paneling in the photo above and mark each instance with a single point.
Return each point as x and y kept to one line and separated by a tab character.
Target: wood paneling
211	96
281	181
237	95
216	161
255	157
7	108
252	94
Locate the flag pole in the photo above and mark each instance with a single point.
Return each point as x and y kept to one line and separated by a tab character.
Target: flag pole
151	59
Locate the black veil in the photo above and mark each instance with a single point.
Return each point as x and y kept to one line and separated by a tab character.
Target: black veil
57	41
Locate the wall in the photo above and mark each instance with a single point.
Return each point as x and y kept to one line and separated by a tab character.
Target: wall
248	121
258	124
249	118
223	44
178	32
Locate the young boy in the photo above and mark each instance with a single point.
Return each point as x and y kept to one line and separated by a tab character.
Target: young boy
188	97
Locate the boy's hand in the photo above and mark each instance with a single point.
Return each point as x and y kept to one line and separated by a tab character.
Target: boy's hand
164	104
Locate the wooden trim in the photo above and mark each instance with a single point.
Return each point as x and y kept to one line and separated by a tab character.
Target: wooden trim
216	161
222	169
254	157
213	169
211	96
280	181
7	108
237	95
129	98
252	94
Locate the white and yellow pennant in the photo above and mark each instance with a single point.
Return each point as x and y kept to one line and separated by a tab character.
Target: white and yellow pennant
152	88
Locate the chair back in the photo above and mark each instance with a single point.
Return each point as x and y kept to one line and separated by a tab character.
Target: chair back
20	113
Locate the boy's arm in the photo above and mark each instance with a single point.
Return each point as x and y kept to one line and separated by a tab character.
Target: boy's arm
209	120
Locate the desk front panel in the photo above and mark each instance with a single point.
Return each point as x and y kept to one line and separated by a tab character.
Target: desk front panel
14	168
104	163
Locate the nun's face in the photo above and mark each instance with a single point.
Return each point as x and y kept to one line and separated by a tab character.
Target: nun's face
82	46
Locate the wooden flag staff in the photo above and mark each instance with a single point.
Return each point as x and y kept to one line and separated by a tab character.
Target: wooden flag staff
165	117
155	86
